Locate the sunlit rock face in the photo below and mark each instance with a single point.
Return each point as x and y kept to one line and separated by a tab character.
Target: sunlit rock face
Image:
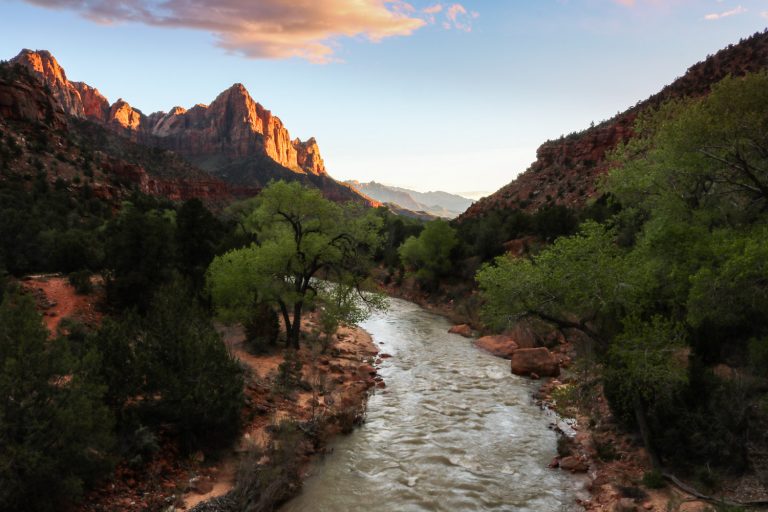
233	125
43	64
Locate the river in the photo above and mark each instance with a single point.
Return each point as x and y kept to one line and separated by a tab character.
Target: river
454	430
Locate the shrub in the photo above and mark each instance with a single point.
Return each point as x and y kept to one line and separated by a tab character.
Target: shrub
81	281
288	373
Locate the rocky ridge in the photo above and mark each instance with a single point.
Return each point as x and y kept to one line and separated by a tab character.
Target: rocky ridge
424	205
567	170
38	135
234	138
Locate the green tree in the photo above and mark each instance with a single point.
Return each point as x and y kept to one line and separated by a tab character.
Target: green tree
675	279
344	304
139	255
428	256
186	363
198	234
176	360
571	284
55	432
300	236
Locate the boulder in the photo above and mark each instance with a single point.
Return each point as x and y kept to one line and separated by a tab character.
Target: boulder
498	345
527	361
524	335
462	329
574	464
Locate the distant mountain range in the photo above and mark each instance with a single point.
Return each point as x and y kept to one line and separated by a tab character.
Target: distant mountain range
437	204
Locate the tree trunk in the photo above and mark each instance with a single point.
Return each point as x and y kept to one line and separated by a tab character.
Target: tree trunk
295	329
645	432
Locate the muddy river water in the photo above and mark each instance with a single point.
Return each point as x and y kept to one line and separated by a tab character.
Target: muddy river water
454	430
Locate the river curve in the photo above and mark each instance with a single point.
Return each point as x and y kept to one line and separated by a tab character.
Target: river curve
453	431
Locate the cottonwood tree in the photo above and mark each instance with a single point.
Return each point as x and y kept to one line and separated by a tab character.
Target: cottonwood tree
428	256
300	236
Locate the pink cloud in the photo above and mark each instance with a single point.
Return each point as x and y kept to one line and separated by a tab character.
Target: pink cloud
718	15
308	29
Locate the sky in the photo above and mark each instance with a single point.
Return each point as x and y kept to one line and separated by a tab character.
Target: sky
428	95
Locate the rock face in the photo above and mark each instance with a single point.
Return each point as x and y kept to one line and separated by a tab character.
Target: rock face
41	63
499	345
34	117
566	170
234	126
234	137
95	106
539	361
20	101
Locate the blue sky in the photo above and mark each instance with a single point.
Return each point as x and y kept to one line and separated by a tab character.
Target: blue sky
426	95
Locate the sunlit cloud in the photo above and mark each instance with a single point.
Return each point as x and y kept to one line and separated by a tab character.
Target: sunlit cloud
275	29
718	15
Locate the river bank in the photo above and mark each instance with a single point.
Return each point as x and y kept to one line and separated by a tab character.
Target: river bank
613	460
330	399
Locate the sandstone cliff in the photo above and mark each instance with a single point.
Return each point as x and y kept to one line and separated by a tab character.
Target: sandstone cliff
39	134
566	170
234	138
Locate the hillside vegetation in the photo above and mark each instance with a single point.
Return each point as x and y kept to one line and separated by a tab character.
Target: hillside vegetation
673	288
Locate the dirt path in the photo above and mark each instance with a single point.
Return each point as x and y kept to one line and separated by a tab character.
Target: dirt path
56	300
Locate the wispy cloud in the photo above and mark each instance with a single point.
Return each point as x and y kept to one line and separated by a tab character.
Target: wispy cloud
307	29
724	14
457	16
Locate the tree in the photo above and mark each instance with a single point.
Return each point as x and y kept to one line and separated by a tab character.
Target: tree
675	280
55	432
140	255
176	360
429	255
570	284
198	234
343	304
300	236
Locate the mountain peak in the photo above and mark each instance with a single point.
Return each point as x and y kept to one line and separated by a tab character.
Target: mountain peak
43	65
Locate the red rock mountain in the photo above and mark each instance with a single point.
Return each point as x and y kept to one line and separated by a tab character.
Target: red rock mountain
39	136
566	170
234	138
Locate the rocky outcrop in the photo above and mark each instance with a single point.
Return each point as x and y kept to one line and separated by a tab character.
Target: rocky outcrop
566	170
95	106
498	345
308	156
534	362
22	101
125	119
